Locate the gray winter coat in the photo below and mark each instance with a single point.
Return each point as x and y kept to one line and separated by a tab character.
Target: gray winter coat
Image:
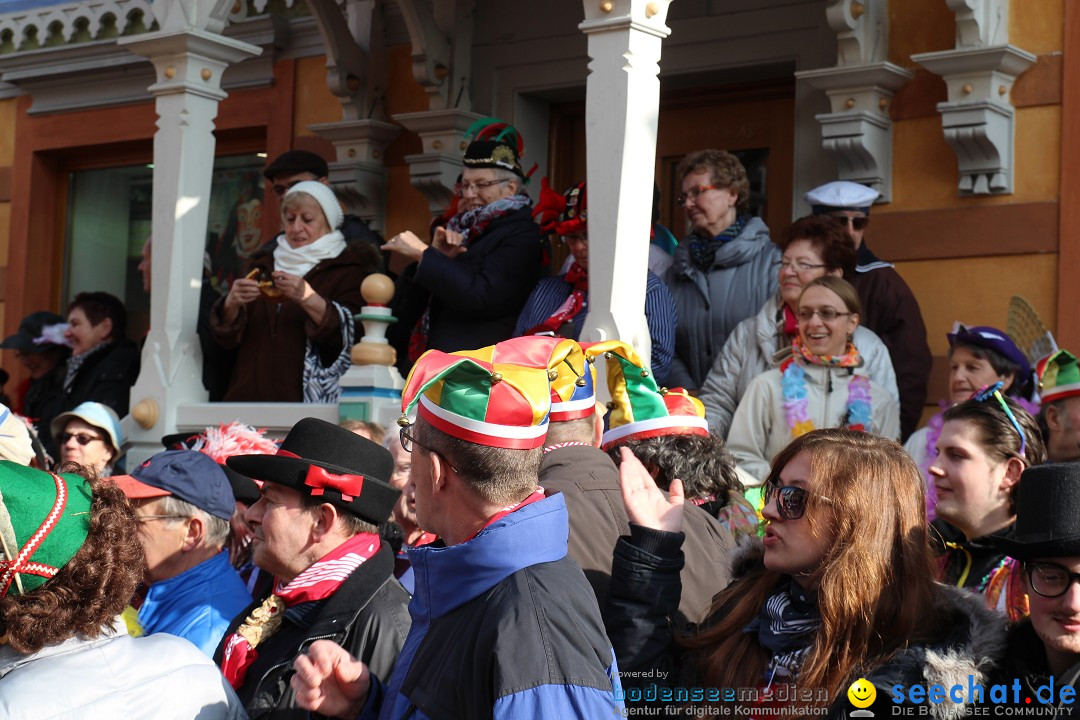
756	346
709	305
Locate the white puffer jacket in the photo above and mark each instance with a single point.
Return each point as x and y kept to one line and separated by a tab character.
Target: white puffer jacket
115	676
754	347
760	428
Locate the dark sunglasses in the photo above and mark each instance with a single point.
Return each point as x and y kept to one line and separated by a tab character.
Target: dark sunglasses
790	500
1050	579
81	438
859	223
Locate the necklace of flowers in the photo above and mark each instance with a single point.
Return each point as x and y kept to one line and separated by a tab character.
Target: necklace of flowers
793	384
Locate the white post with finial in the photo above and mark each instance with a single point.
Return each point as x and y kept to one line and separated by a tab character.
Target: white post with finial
371	388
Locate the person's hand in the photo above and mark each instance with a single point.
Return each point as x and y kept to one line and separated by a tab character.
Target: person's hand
448	242
407	244
241	292
645	503
292	287
330	681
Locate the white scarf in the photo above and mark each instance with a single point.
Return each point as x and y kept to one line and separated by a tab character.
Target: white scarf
298	261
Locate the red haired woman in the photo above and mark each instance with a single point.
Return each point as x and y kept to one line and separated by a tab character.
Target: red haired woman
842	589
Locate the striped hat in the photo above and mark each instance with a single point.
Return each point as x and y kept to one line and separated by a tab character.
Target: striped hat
571	375
44	520
639	409
1059	376
496	396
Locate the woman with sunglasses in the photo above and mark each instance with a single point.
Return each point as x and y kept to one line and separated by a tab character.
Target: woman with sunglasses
986	443
978	357
842	588
824	383
91	436
812	247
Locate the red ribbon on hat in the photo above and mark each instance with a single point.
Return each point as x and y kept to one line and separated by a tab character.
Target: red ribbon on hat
348	485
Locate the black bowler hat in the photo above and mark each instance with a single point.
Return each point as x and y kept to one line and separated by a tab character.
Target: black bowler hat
1047	513
331	463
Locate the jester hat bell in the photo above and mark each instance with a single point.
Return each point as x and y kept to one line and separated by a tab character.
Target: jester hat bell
1059	376
496	396
329	462
639	409
44	520
571	375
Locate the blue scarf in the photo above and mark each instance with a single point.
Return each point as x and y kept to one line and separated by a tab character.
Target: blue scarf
703	251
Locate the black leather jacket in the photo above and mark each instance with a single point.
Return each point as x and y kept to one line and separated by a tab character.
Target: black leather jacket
368	616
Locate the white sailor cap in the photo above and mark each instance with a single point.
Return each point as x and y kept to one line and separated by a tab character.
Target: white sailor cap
841	195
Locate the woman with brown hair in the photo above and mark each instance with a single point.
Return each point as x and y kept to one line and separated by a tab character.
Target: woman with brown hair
842	589
69	562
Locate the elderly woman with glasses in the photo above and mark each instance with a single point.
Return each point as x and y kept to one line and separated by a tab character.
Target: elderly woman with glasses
722	272
841	591
812	247
985	445
823	384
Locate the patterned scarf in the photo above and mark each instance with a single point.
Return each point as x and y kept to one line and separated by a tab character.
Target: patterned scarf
472	224
703	251
578	278
786	627
321	580
76	361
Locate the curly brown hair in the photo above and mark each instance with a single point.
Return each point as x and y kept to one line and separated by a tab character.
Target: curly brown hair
828	237
725	171
92	589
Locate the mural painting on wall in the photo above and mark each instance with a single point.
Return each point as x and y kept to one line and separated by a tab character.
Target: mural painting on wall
234	231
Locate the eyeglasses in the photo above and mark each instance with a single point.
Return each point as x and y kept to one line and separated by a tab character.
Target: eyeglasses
694	193
408	441
147	518
791	500
799	267
994	391
81	438
859	222
827	314
1050	579
478	186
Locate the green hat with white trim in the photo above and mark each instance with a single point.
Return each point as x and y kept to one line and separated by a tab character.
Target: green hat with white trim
44	520
1059	376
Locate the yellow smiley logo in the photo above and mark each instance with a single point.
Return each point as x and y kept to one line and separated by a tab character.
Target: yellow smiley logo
862	693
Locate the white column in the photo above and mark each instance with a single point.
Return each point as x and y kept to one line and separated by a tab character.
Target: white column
621	115
189	63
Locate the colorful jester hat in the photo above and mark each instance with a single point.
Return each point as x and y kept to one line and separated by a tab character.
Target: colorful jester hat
1059	376
44	520
571	375
496	396
495	144
639	409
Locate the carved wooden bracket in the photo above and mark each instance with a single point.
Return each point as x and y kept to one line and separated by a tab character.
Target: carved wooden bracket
442	43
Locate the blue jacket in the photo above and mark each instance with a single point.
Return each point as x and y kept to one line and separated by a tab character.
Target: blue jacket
504	626
197	604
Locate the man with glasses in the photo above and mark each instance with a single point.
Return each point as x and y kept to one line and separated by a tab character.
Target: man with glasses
1047	541
505	624
183	502
468	287
889	307
558	305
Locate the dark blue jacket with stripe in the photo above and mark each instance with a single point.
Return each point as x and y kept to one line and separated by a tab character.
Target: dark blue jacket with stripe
504	626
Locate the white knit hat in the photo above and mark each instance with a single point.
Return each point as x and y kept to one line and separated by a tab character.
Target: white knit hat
325	197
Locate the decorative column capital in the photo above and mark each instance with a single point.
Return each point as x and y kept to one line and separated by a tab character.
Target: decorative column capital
359	173
189	61
442	135
647	16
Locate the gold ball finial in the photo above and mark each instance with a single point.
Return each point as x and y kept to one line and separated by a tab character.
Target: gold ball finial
607	6
206	74
145	413
377	289
967	89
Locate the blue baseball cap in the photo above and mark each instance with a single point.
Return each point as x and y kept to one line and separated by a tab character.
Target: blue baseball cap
186	474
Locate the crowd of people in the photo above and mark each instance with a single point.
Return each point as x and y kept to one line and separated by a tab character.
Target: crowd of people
737	527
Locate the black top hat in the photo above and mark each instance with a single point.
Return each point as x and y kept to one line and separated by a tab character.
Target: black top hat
297	161
329	462
1047	513
28	337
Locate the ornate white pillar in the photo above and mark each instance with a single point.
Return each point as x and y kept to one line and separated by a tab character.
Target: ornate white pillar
621	116
189	57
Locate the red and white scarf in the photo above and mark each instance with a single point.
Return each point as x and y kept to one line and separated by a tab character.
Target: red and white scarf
321	580
578	278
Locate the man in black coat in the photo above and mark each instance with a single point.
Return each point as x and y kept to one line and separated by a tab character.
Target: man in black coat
1044	650
468	287
324	493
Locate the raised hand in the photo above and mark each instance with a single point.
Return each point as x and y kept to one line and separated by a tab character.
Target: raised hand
646	504
329	681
